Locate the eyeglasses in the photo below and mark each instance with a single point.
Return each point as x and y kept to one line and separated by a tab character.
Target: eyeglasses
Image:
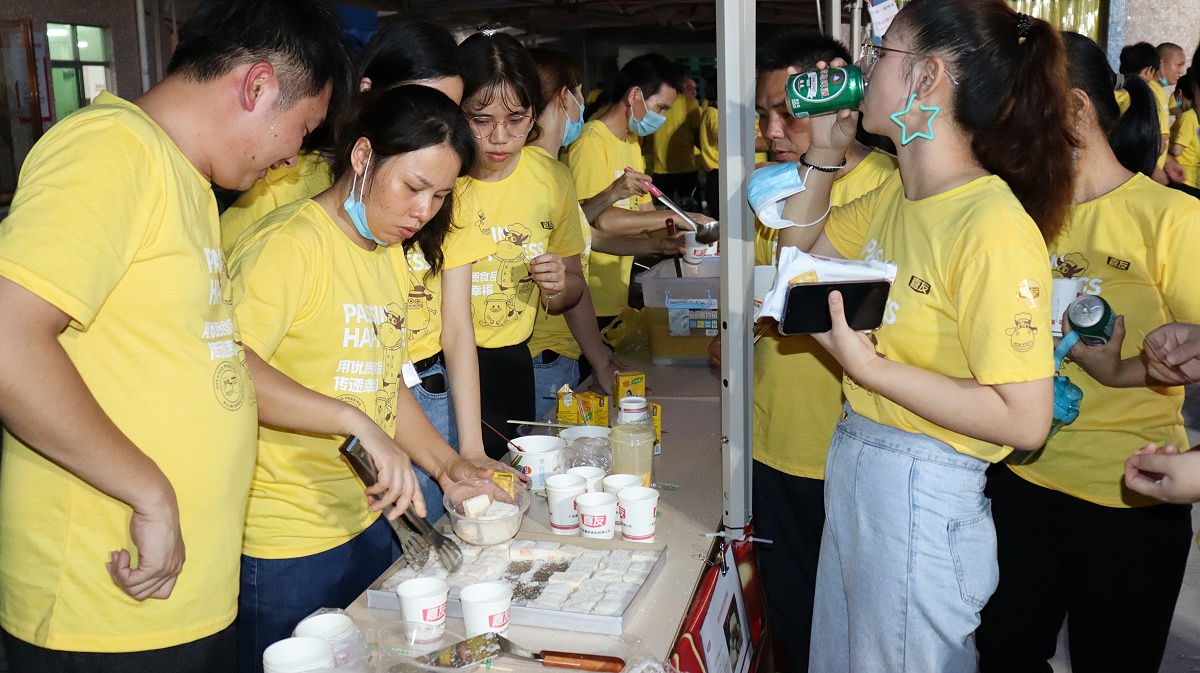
517	126
868	55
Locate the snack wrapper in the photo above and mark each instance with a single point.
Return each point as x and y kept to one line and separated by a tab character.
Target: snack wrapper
800	267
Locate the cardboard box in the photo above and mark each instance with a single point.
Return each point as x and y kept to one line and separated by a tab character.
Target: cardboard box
629	384
593	409
568	407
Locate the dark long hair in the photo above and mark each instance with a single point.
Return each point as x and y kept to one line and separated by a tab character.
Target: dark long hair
1013	96
407	50
556	70
1135	136
405	119
493	62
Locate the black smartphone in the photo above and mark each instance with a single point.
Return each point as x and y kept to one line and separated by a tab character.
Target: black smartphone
806	309
434	384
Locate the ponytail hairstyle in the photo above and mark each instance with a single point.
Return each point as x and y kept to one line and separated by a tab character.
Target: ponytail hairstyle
405	119
495	64
1133	136
556	71
407	50
1013	96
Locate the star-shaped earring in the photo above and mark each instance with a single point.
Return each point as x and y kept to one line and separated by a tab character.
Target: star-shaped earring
905	138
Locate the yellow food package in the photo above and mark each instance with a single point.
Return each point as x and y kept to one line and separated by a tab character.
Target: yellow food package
593	408
505	481
629	384
809	276
656	417
568	407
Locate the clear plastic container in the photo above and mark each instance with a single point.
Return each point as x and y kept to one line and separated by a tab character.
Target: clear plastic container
633	450
486	530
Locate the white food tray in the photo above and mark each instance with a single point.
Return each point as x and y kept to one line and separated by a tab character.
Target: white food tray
378	597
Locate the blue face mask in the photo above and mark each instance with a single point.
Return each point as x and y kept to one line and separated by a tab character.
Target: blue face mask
648	124
355	208
1163	81
574	128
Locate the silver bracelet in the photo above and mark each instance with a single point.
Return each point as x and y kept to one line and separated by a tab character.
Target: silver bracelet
551	297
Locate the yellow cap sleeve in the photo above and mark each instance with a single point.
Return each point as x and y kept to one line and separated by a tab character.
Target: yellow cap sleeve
1177	247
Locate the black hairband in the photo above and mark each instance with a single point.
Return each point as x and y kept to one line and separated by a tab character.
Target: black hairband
1024	23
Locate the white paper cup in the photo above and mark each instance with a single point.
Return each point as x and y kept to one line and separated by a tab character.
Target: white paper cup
486	607
295	655
561	490
615	483
597	515
423	600
693	252
538	457
638	509
1062	293
591	474
335	628
581	431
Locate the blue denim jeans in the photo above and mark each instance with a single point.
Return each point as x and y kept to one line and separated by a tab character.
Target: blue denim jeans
548	378
908	554
277	593
439	408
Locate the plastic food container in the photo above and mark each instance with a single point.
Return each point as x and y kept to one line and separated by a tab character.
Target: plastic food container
682	314
486	529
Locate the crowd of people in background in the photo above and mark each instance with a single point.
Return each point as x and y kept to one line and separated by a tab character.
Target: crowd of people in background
430	238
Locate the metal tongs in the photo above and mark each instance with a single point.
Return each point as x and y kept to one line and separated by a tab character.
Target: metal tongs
706	234
415	547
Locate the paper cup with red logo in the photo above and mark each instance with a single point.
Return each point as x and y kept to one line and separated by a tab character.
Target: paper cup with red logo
597	515
1062	293
693	252
423	600
561	491
485	608
638	509
615	483
592	474
537	456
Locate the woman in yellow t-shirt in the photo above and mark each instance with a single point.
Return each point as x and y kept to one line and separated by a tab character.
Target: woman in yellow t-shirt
1071	533
524	201
961	367
318	296
1185	134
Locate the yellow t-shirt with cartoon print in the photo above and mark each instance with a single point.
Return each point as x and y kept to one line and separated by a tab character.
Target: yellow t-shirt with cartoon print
971	298
531	212
310	176
465	244
112	225
1136	247
1186	132
328	314
792	432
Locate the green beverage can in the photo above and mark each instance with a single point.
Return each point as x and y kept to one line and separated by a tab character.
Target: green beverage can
1092	318
819	92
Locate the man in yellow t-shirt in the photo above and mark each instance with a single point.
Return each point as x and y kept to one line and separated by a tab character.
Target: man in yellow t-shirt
605	148
710	158
672	159
123	375
792	431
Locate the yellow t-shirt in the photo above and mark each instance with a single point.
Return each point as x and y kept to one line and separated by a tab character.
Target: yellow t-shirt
759	157
531	212
551	332
1186	132
971	298
465	244
116	228
708	139
595	160
328	314
1164	115
792	432
310	176
1136	247
673	145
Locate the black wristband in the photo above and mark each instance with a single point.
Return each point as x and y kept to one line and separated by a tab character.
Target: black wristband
823	169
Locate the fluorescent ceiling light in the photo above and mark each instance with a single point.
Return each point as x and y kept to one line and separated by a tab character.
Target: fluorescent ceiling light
57	32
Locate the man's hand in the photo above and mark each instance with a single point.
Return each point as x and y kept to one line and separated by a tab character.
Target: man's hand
158	541
1164	474
1173	353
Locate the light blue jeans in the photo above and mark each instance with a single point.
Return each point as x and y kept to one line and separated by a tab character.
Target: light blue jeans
439	407
548	378
908	555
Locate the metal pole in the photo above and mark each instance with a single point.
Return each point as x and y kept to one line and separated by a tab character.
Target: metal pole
735	53
143	51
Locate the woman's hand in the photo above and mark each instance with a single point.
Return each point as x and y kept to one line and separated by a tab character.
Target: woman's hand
631	183
550	274
1102	362
1165	474
832	134
1173	353
603	372
459	468
854	350
395	482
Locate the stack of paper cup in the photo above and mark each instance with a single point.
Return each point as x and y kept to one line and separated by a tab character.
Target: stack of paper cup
296	655
638	509
485	608
423	600
335	628
597	515
1062	293
591	474
615	483
561	491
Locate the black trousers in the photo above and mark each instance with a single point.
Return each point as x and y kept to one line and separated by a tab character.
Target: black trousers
712	193
215	654
1113	573
506	391
790	511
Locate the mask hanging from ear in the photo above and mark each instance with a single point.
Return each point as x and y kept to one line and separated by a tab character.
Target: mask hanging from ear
574	128
355	208
649	123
